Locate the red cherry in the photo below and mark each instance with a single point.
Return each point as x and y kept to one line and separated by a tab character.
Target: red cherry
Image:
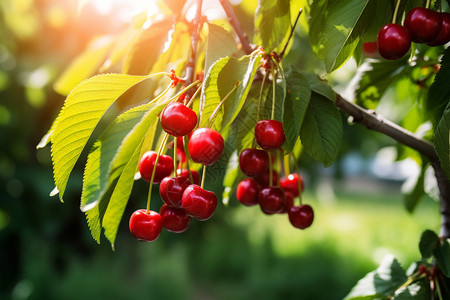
263	180
269	134
253	162
177	119
205	146
199	203
393	41
288	202
301	216
164	167
185	173
444	34
290	183
145	226
174	219
370	49
271	200
171	190
423	24
247	192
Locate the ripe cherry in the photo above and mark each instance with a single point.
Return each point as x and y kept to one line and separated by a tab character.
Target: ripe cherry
185	173
205	146
290	183
271	199
177	119
264	179
269	134
199	203
288	202
393	41
444	34
164	167
247	192
171	190
370	49
145	226
253	162
174	219
301	216
423	24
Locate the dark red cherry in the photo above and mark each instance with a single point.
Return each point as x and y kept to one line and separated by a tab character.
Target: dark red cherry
171	190
247	192
178	119
253	162
174	219
145	226
269	134
205	146
290	183
301	216
370	49
164	167
271	199
185	173
264	179
288	202
199	203
423	24
444	34
393	41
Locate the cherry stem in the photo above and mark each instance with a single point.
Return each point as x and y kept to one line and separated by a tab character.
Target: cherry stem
273	91
193	97
291	33
260	96
286	165
394	17
428	4
175	148
157	98
270	169
160	150
174	98
203	176
188	157
216	110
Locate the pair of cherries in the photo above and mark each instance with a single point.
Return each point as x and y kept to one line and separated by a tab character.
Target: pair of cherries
183	197
421	25
257	188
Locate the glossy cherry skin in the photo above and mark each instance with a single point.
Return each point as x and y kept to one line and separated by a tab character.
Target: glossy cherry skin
164	167
271	200
288	202
185	173
423	24
393	41
171	190
145	226
199	203
174	219
263	180
269	134
301	216
247	192
290	183
206	146
444	34
253	162
177	119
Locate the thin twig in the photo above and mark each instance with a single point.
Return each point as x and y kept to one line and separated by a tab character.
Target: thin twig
190	68
291	33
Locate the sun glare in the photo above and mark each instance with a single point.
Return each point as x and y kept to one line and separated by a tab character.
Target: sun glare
124	9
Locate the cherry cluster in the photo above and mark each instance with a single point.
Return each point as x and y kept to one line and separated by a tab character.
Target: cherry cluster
183	197
262	185
421	25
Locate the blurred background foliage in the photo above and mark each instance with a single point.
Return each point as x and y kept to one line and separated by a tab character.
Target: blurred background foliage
46	251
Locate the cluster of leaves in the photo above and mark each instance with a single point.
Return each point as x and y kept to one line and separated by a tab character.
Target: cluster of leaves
422	280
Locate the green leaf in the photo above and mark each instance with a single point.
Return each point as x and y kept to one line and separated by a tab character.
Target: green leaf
381	282
428	242
414	195
220	44
442	140
334	35
147	48
416	291
294	108
82	110
84	66
321	131
231	178
439	92
321	87
272	24
442	255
